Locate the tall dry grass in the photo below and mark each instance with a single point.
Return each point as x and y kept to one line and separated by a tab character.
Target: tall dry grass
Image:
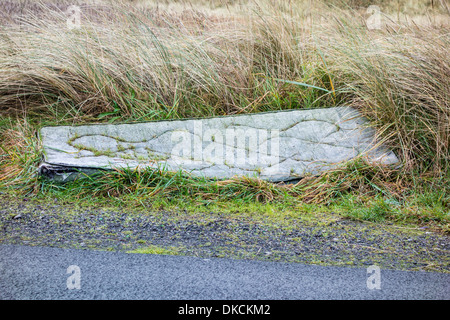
136	61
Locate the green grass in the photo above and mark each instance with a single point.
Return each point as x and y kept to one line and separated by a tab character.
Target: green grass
153	249
369	200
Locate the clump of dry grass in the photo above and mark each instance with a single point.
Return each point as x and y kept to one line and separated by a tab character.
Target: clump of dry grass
20	153
400	79
358	177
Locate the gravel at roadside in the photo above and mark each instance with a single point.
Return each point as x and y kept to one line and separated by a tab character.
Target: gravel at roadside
330	241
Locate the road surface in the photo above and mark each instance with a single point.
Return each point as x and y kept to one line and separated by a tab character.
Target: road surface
52	273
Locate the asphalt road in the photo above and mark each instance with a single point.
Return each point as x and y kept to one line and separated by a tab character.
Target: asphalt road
45	273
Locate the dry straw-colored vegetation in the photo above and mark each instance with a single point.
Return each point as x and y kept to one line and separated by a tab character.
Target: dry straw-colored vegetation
147	60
